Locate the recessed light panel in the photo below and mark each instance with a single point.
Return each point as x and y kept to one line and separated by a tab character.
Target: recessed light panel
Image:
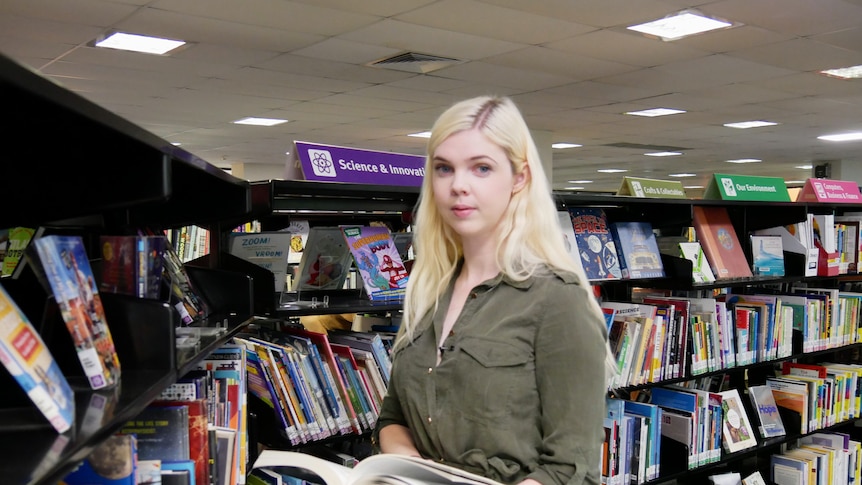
662	154
842	136
744	160
853	72
421	134
561	146
681	175
750	124
651	113
580	181
260	121
805	167
680	25
139	43
611	170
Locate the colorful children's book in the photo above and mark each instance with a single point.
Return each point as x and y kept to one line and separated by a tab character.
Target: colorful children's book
325	261
736	429
638	250
132	265
720	242
183	296
25	356
383	273
18	238
595	244
269	250
66	268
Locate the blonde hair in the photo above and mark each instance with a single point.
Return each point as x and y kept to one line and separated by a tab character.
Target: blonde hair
529	241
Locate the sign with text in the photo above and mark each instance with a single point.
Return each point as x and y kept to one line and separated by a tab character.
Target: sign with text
746	187
825	190
652	188
328	163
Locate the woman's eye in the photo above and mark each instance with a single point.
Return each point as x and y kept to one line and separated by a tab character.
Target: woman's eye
483	168
443	169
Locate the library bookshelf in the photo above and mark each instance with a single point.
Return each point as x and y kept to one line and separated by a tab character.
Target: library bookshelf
101	175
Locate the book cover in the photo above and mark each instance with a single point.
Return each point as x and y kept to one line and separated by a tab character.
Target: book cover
763	403
374	469
132	265
28	360
162	431
767	256
17	240
179	472
720	242
69	275
183	296
638	250
269	250
298	229
383	273
325	261
736	429
700	271
112	462
198	435
595	245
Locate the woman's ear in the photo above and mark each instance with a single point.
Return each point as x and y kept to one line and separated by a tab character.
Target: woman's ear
521	179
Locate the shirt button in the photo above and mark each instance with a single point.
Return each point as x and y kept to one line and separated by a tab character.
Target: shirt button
430	370
429	419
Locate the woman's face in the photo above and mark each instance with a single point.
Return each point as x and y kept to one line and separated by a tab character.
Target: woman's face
472	181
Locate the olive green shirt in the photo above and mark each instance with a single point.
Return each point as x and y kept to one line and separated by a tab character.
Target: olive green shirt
520	390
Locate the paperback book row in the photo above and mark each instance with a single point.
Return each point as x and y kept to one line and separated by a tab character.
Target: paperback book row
194	433
318	384
324	256
677	427
190	242
819	458
670	337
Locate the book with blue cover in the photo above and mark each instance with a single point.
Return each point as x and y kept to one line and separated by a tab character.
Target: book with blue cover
595	244
639	256
767	256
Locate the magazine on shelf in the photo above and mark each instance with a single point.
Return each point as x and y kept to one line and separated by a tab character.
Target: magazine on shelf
28	360
595	247
636	244
269	250
375	470
325	261
66	270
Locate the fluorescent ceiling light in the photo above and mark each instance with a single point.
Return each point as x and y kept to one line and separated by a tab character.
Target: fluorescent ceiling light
680	175
655	112
842	136
574	188
853	72
662	154
421	134
692	186
176	143
139	43
679	25
750	124
794	181
561	146
580	181
744	160
260	121
805	167
611	170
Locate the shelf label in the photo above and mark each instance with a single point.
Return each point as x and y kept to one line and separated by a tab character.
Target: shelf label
652	188
329	163
835	191
747	187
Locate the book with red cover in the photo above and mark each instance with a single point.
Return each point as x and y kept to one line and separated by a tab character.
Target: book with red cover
199	449
720	242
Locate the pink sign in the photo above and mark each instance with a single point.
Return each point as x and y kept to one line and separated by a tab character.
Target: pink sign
835	191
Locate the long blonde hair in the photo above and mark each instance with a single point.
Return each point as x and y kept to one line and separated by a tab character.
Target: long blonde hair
529	241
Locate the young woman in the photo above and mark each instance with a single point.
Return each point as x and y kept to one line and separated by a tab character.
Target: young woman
500	364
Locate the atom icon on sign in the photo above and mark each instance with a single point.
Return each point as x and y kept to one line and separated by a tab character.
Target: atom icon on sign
322	163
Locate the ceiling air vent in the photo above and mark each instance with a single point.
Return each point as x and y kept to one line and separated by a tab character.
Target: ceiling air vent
415	62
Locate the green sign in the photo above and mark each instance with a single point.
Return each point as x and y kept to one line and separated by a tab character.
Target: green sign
746	187
652	188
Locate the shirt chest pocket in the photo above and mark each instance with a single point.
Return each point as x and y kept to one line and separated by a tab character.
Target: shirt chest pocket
494	378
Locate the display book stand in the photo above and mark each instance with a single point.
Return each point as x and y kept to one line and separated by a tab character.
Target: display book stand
100	174
275	202
671	216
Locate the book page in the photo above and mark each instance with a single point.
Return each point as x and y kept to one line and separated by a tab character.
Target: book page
329	472
412	470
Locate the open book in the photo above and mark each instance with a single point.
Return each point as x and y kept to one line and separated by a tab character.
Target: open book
376	469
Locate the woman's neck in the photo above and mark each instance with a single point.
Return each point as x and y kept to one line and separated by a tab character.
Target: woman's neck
480	264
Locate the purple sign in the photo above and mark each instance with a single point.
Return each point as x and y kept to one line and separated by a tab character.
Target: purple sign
327	163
